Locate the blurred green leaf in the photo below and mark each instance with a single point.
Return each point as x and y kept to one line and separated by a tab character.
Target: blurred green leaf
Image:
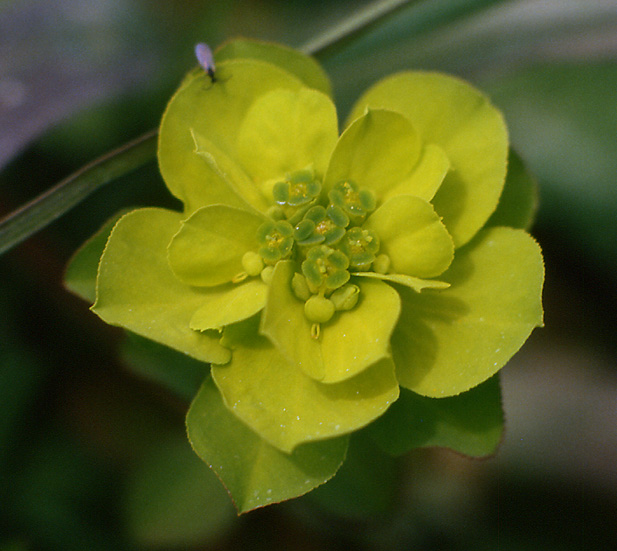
348	28
487	38
160	364
254	472
364	486
20	378
174	500
56	490
470	423
80	275
519	199
14	545
563	120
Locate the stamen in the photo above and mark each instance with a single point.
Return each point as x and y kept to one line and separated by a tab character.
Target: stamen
381	264
346	297
239	277
300	287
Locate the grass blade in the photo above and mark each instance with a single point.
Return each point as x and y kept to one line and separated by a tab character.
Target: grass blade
47	207
420	16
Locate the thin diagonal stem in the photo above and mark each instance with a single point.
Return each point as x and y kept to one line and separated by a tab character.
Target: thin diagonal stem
58	200
420	16
350	27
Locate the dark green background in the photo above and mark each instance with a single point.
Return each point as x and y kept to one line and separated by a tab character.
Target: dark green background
92	456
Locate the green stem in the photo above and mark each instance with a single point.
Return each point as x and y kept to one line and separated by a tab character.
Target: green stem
350	27
47	207
420	16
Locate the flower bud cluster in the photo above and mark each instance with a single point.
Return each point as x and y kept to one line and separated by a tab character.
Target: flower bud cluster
325	236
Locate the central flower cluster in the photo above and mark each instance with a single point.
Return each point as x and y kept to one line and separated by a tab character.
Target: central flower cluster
324	236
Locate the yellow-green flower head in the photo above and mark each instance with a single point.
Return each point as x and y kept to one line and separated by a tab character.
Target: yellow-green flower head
275	239
319	272
325	269
357	203
297	189
321	225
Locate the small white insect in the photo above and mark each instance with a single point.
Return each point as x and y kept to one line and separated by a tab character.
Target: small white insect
204	56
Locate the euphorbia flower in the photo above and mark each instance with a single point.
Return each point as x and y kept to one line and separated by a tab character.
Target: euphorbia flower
319	272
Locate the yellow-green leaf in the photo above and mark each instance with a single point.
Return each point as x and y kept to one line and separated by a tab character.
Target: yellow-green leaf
378	151
302	66
460	119
347	344
229	304
286	407
449	341
208	248
254	472
137	290
414	283
413	237
229	184
214	114
287	130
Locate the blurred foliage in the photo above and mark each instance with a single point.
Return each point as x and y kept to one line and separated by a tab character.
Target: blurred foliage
563	119
81	434
173	500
